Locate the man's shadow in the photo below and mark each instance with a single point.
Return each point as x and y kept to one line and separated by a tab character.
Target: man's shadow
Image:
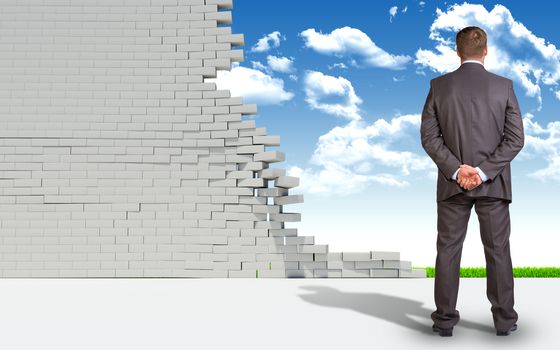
386	307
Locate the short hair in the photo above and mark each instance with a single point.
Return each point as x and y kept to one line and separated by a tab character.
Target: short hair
471	42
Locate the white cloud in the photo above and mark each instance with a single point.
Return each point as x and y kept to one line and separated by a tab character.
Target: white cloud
513	50
542	142
443	61
258	65
392	13
357	154
267	41
335	179
253	85
319	87
347	41
351	157
404	9
280	64
551	172
340	65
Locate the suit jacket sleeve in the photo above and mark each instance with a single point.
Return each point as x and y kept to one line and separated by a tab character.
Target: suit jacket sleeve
511	143
432	140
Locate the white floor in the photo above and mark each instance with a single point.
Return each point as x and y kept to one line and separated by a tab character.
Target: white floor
262	314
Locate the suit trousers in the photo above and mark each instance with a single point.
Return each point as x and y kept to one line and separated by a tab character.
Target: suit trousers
452	219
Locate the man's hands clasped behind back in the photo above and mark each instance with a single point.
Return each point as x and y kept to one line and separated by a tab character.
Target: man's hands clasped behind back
468	177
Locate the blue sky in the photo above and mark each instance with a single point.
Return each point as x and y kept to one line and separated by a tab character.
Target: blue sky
344	83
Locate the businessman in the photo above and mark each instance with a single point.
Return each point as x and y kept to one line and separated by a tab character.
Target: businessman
472	129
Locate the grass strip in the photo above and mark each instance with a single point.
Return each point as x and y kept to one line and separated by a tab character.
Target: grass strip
518	272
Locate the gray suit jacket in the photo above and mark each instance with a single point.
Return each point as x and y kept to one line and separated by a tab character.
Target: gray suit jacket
471	116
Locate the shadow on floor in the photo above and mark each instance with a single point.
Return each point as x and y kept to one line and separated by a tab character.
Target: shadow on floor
386	307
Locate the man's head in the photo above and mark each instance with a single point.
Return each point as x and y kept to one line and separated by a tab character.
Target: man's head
471	44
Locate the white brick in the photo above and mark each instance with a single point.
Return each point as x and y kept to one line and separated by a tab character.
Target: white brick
286	181
384	273
283	200
356	256
319	248
371	264
385	255
358	273
271	173
285	217
270	157
413	273
267	140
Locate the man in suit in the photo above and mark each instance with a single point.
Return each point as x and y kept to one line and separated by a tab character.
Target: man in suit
472	129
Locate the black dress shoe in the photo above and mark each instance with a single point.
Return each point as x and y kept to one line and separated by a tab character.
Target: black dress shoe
444	332
513	328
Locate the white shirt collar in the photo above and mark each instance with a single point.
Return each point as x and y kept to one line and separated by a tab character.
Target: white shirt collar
466	61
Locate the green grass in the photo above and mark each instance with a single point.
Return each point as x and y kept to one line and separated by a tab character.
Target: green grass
519	272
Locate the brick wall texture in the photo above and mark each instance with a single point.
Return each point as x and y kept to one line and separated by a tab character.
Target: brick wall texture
117	159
